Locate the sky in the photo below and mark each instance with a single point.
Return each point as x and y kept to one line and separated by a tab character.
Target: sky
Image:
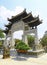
10	8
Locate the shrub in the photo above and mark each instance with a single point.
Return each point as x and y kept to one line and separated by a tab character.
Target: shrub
17	41
22	46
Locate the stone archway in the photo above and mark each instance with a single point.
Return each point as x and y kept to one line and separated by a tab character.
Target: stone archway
26	22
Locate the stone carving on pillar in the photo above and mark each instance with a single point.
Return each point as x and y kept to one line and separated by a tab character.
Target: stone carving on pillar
12	42
5	42
24	38
6	48
35	47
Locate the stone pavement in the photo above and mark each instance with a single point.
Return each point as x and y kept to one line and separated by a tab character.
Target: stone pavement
24	60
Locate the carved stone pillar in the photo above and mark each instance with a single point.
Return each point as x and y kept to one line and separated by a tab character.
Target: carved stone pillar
24	37
6	50
12	42
36	36
5	41
35	46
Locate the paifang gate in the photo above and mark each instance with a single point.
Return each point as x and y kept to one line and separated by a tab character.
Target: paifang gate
23	21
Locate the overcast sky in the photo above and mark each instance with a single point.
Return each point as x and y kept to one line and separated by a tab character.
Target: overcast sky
9	8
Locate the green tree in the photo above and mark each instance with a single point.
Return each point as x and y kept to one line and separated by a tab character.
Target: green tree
1	36
44	41
30	40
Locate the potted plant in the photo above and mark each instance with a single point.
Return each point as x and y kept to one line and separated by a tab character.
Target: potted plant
22	47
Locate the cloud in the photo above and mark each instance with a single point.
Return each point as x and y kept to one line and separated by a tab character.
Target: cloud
6	13
18	10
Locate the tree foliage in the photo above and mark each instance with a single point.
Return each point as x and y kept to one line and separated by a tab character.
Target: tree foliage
17	41
1	34
22	46
30	40
44	41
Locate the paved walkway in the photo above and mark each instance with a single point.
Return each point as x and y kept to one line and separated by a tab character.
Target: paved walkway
24	60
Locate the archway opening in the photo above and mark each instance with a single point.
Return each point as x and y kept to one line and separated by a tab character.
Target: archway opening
18	34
